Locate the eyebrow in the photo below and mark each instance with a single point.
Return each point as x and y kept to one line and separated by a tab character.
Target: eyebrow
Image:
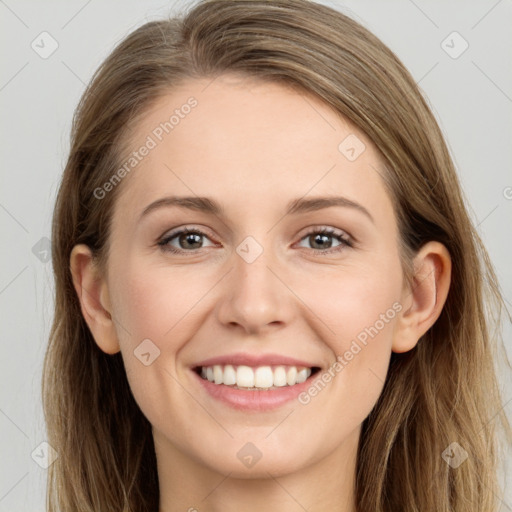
296	206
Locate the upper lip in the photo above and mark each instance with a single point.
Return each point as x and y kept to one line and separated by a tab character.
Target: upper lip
255	360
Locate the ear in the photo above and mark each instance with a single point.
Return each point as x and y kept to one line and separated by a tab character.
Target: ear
92	292
423	303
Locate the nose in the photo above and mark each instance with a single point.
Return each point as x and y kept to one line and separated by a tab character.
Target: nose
255	297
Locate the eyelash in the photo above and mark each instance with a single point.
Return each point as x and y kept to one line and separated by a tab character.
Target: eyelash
346	241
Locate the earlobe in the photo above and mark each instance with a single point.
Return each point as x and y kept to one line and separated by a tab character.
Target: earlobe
92	292
424	301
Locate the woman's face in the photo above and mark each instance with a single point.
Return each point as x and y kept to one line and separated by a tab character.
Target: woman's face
256	284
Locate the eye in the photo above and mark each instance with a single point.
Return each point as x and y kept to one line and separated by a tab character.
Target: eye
187	240
322	240
192	239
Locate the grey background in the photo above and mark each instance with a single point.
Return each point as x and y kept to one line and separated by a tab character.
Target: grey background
471	97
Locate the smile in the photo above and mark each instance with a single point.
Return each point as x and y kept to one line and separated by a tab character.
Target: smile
255	378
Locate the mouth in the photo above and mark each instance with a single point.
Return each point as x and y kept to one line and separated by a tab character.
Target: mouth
254	382
255	378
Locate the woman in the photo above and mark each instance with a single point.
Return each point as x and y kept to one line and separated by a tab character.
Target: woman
269	291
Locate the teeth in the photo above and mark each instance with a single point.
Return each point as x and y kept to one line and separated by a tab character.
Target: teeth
229	375
245	377
280	377
291	376
302	375
262	377
218	374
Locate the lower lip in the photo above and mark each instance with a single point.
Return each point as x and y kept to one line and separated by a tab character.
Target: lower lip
259	400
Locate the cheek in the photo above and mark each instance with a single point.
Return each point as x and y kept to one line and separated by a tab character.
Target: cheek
152	303
155	315
355	303
365	318
361	310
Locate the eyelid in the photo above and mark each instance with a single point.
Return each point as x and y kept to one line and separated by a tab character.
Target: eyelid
346	239
173	233
186	228
320	228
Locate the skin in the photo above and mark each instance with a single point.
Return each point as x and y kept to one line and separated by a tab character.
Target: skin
253	147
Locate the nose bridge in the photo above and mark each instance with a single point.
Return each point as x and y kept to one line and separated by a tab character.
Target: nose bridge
253	277
253	270
255	297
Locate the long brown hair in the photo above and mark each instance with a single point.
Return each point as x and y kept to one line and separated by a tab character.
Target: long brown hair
444	390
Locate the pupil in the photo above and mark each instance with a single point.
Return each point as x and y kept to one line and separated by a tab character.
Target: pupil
319	238
191	238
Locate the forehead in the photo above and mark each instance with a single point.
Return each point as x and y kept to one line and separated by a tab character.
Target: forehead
248	141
